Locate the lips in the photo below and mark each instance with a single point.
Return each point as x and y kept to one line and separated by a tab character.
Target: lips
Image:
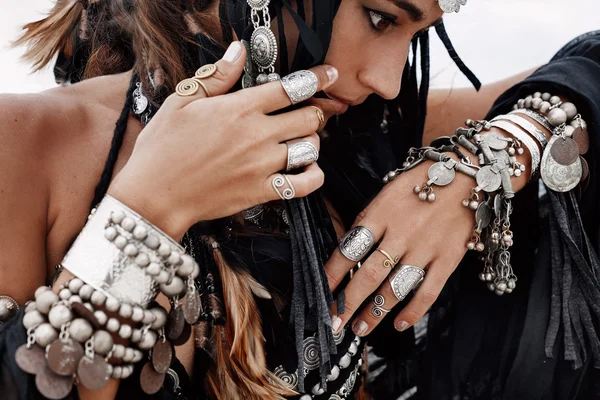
340	106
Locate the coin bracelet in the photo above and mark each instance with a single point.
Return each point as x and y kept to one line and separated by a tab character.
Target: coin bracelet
559	164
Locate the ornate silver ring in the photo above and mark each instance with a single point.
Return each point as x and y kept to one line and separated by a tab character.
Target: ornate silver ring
405	279
301	154
300	85
279	183
357	243
377	311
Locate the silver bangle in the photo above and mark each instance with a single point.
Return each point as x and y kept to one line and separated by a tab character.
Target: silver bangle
515	131
100	263
537	117
527	126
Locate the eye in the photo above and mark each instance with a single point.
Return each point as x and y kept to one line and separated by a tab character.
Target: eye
378	21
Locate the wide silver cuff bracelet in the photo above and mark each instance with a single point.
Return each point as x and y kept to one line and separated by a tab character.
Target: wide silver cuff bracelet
99	263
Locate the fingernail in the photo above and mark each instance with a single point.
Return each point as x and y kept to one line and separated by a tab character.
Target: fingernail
401	326
360	328
332	73
336	322
233	52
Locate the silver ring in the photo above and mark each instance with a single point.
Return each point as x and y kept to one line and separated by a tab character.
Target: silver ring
300	85
357	243
377	311
406	278
279	182
301	154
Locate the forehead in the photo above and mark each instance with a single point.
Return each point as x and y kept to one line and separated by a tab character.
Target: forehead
419	10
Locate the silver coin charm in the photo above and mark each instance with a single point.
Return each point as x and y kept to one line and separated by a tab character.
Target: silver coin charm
440	174
64	356
53	386
488	180
93	373
495	140
150	380
450	6
483	216
31	360
162	356
498	205
263	47
565	151
140	102
192	307
175	324
557	177
582	138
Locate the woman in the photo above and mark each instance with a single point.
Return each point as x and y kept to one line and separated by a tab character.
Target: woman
225	138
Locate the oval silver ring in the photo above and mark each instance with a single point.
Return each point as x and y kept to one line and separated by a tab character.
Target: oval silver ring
357	243
300	154
279	184
405	279
300	85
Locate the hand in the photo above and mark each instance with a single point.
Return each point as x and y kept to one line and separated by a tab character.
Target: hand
205	158
427	235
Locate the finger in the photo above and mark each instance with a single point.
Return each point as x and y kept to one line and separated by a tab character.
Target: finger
436	277
339	265
271	96
228	71
364	282
284	150
298	123
377	308
300	185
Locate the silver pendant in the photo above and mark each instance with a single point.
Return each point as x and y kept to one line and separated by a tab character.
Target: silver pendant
258	4
450	6
557	177
263	47
140	102
483	216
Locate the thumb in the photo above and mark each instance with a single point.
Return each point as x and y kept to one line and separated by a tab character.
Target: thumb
227	73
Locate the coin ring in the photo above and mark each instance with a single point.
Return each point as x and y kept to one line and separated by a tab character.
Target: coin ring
442	175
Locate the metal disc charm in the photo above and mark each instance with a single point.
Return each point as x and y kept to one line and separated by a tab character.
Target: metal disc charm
175	324
140	102
206	71
557	177
184	337
495	140
31	360
53	386
483	215
440	174
498	205
93	373
582	138
150	380
565	151
487	179
192	307
162	355
264	47
585	169
64	356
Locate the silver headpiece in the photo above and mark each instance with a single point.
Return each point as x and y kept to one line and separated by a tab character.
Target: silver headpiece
450	6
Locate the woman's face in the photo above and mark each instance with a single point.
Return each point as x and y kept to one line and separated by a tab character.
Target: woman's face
369	47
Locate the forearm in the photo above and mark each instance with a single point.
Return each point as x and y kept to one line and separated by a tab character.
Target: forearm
449	108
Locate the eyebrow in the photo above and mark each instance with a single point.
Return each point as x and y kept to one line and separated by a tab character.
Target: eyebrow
415	13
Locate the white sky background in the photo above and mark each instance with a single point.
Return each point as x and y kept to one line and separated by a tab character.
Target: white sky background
495	38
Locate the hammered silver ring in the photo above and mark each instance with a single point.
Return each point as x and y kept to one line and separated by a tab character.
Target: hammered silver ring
285	193
300	154
377	311
357	243
300	85
405	279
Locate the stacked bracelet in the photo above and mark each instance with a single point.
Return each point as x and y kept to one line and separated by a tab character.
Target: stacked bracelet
562	165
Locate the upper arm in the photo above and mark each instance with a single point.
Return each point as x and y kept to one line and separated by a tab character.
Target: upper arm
448	109
23	198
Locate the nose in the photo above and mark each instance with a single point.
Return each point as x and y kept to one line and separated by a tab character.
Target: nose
383	73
